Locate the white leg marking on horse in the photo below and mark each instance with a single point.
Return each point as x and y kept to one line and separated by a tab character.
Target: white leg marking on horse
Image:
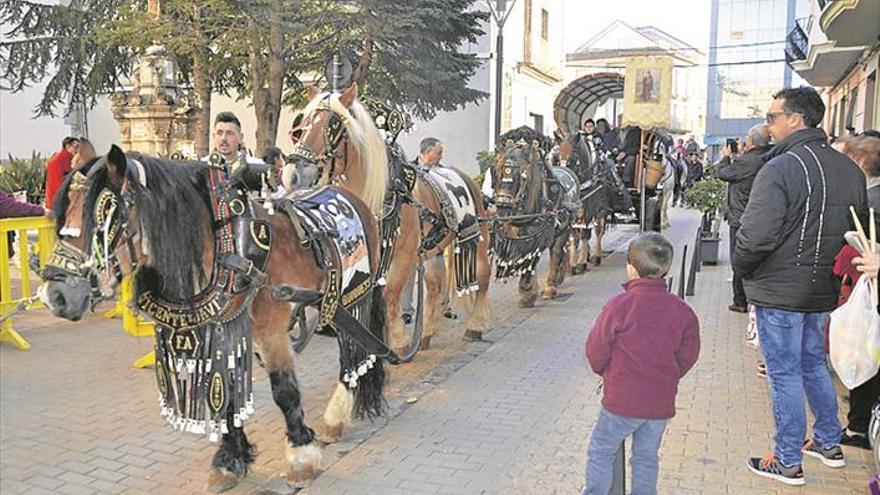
303	457
339	408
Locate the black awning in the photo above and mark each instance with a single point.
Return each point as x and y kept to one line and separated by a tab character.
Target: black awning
579	100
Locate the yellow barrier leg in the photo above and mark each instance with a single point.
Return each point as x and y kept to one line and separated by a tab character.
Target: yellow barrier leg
131	324
8	334
117	311
120	309
146	361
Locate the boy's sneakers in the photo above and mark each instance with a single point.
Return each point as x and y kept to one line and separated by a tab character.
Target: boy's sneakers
831	457
770	467
762	369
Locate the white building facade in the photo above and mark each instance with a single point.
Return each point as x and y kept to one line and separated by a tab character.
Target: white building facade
607	52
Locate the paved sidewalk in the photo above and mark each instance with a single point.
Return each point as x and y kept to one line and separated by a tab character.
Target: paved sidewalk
511	416
517	419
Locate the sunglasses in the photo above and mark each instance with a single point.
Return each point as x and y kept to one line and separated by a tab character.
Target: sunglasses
771	116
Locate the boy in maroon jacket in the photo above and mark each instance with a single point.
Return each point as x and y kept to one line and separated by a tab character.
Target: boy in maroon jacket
642	344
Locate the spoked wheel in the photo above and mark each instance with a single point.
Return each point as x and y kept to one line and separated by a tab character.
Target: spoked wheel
874	436
303	324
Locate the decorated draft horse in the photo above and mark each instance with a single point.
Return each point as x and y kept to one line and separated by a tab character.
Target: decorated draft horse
602	194
532	213
426	212
219	274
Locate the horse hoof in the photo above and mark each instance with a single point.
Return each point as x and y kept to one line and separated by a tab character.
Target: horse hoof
425	344
472	336
597	261
303	462
530	303
583	267
330	434
221	480
549	293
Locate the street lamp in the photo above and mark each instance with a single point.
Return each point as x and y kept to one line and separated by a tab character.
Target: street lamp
500	13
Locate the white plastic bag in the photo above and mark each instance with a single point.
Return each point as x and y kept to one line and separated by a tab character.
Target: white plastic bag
855	337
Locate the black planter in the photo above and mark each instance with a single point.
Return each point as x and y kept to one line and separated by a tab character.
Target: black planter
709	249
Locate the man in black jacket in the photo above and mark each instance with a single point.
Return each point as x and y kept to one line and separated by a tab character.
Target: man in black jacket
789	234
740	172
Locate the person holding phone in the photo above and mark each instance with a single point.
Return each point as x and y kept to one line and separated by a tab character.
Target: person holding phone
739	172
732	146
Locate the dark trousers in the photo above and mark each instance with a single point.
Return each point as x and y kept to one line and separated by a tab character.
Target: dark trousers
862	400
678	193
739	293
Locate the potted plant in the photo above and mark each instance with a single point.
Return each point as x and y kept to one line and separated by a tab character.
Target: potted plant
28	175
486	160
708	197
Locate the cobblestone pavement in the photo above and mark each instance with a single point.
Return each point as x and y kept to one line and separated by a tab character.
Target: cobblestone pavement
508	416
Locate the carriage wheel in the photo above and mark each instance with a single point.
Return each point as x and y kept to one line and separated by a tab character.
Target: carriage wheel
303	323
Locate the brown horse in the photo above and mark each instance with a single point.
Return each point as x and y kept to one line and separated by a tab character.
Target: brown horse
339	135
531	216
164	233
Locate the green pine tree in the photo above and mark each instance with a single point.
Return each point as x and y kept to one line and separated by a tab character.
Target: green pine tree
59	44
409	52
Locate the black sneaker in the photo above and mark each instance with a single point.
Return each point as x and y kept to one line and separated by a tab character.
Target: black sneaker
736	308
831	457
858	440
770	467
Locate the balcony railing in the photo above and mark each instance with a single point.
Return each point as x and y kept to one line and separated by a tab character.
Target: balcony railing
797	43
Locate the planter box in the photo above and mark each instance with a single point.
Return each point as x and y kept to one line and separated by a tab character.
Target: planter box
709	250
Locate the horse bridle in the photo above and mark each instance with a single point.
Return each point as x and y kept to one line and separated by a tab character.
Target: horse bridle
68	263
335	134
514	172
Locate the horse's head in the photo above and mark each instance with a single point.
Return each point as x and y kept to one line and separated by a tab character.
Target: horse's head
517	176
577	156
112	225
337	135
89	227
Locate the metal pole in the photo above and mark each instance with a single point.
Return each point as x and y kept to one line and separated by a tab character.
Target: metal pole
499	75
683	275
695	265
640	171
618	483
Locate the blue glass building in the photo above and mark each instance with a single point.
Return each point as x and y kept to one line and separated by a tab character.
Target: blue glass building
747	63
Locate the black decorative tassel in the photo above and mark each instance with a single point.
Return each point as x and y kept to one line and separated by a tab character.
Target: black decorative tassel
363	373
205	376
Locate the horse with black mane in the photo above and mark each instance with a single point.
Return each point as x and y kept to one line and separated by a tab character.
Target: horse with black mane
602	194
219	274
532	213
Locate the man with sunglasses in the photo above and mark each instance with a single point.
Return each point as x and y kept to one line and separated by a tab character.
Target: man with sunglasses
789	234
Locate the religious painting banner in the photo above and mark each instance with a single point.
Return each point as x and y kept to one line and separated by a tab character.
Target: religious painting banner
647	96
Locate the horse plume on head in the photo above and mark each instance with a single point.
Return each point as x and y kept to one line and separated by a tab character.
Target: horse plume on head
361	141
518	173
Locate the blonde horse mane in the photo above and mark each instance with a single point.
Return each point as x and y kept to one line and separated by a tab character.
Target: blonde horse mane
368	143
